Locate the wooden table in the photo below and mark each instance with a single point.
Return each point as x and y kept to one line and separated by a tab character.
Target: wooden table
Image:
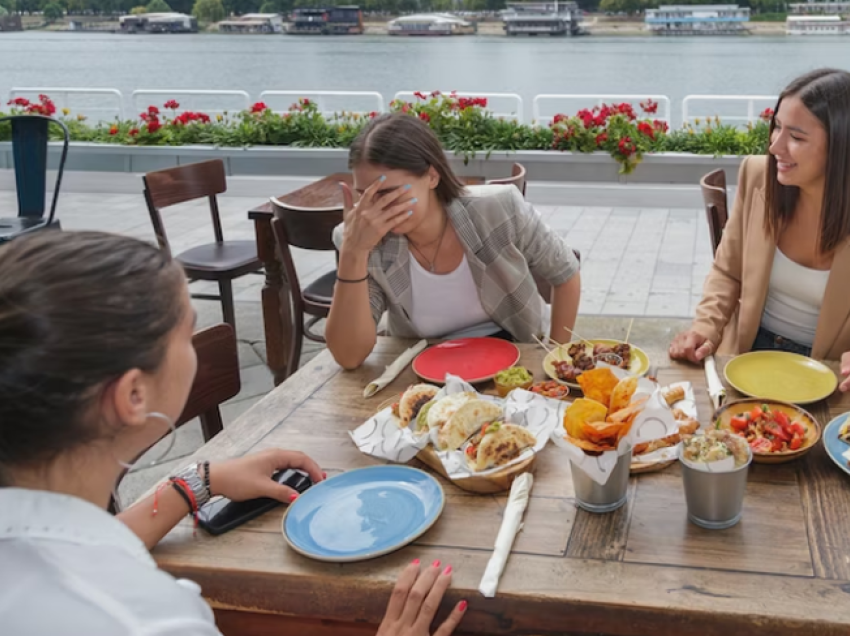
642	570
277	313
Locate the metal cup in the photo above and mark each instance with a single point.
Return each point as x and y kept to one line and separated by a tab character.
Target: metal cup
714	500
597	498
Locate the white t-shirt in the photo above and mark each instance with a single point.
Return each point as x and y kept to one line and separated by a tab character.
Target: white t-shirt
447	305
794	299
71	569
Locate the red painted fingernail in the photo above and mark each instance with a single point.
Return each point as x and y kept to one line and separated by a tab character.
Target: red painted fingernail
462	606
436	564
324	475
415	561
448	570
292	497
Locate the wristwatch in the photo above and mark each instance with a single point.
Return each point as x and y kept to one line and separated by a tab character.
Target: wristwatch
193	479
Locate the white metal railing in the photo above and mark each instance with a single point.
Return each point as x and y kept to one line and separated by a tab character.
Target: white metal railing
726	107
87	101
545	107
505	105
328	102
197	100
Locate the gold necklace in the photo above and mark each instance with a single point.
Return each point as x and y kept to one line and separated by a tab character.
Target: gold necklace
431	263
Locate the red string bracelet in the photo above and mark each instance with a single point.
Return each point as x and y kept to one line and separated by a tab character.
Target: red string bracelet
185	493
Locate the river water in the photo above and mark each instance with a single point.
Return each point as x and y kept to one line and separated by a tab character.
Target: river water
668	66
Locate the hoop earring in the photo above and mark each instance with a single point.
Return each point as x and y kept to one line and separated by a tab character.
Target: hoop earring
132	468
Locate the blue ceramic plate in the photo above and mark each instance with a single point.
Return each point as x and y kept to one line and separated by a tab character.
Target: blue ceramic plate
835	448
363	513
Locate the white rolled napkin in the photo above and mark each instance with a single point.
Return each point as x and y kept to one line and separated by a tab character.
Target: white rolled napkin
511	525
392	371
716	390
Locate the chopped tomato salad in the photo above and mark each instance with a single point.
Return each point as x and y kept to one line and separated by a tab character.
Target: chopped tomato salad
768	430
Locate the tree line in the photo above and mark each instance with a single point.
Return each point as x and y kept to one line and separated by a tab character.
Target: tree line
210	10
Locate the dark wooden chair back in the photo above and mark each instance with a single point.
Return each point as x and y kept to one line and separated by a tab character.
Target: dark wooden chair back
216	381
517	178
164	188
30	137
713	187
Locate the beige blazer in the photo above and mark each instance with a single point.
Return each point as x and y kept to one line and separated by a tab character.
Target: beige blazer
736	288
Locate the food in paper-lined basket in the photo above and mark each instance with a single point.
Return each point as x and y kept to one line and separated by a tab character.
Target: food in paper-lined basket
497	444
658	454
412	401
440	432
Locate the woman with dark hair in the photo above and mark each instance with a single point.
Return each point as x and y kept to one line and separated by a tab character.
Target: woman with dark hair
443	261
96	363
779	279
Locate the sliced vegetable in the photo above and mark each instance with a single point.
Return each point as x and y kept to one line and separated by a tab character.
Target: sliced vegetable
739	424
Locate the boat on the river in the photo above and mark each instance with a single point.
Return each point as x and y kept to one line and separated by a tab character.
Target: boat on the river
698	19
158	23
430	24
342	20
542	18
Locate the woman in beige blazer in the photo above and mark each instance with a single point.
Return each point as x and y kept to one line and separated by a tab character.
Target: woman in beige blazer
780	275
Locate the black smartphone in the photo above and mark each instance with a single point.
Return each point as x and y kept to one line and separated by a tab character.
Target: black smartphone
221	515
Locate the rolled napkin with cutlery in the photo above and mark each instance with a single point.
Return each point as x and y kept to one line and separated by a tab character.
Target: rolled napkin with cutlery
392	371
716	390
511	525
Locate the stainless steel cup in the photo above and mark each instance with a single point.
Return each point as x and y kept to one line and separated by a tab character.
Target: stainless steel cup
596	498
715	500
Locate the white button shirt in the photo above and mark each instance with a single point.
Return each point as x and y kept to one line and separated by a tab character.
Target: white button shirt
68	568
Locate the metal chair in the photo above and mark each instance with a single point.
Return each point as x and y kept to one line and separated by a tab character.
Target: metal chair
221	261
517	178
713	187
30	136
310	229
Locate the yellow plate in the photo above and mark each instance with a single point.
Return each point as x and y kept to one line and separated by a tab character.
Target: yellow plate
639	366
777	375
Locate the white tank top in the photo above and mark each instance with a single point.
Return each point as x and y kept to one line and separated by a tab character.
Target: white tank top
447	305
794	299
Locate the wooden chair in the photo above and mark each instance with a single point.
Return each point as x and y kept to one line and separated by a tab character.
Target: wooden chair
517	178
221	261
30	137
216	381
309	229
713	187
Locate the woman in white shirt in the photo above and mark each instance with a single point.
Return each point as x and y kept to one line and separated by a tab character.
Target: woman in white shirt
442	260
96	362
779	279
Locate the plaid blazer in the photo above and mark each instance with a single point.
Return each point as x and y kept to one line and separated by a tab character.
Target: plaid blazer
505	240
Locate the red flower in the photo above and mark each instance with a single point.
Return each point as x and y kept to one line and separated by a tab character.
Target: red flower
645	128
143	116
650	107
627	147
133	132
425	117
627	110
19	101
557	119
601	138
172	104
259	107
113	130
405	108
587	118
153	125
767	114
420	95
304	101
153	110
373	114
660	126
435	93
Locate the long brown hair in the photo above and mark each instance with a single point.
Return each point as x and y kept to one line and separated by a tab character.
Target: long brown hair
77	311
403	142
826	93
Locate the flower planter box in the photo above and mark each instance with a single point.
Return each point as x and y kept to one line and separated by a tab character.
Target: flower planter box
546	166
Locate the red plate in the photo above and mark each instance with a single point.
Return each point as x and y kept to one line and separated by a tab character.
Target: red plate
472	359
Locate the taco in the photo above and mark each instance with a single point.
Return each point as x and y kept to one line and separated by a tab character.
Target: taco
413	400
497	444
467	419
441	410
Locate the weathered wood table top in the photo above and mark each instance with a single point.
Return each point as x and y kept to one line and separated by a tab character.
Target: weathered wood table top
642	570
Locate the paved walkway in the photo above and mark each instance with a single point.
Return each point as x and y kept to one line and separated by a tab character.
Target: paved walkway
638	259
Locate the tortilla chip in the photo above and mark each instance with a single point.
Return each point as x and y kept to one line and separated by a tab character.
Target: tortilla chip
580	411
588	446
601	432
633	409
598	384
622	394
